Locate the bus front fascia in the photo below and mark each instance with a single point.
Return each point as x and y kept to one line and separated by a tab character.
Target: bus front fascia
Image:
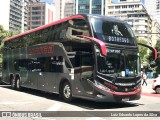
104	90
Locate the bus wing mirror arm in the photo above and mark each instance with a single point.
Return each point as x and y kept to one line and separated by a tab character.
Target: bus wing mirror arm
151	48
98	42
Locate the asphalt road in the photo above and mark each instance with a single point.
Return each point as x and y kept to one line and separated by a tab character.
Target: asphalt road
47	104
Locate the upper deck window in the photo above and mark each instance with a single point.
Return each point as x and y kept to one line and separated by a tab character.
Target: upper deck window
113	32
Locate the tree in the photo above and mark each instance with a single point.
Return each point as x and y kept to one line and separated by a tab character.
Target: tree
4	34
143	50
158	59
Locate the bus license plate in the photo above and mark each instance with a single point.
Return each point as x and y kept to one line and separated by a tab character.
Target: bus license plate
125	99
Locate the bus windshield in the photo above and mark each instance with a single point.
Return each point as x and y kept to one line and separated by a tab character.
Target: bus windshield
119	63
113	32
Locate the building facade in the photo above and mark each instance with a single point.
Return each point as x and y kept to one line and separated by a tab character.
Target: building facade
14	15
158	10
153	8
25	11
40	13
5	15
155	32
135	14
69	8
64	8
90	7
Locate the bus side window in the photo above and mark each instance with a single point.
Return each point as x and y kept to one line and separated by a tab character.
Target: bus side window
25	40
77	27
56	64
77	60
31	39
21	65
4	65
34	65
87	65
87	60
50	64
16	65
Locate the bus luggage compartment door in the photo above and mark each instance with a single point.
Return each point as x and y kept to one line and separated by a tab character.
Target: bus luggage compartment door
47	81
31	81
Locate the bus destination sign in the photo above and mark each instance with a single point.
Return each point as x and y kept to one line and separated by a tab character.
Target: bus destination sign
38	50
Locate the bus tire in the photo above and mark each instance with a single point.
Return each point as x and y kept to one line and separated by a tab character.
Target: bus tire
67	92
13	82
18	85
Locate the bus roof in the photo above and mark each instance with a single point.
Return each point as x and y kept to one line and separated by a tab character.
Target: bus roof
44	26
63	20
107	18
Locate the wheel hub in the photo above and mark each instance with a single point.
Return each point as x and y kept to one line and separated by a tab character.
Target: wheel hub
67	91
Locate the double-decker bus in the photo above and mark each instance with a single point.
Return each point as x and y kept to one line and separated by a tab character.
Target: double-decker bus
83	56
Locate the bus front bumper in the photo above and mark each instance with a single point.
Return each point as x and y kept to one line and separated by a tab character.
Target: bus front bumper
107	95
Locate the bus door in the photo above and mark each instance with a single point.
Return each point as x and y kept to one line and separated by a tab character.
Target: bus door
87	71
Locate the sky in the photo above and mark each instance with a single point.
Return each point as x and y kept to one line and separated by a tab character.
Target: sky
114	0
48	1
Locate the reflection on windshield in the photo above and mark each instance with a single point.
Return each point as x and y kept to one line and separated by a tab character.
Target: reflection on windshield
113	32
118	63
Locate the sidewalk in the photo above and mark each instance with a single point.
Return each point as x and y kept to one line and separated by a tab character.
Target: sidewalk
148	91
148	88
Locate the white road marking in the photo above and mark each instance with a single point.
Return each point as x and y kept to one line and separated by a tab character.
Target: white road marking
45	118
55	107
5	85
95	118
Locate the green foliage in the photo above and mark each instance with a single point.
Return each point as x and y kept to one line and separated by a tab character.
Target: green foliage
157	68
143	50
4	34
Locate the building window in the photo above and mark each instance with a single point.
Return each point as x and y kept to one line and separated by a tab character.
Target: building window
36	8
36	13
111	7
117	7
36	18
82	7
124	6
36	23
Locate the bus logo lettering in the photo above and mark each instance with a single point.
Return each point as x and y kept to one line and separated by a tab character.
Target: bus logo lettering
45	49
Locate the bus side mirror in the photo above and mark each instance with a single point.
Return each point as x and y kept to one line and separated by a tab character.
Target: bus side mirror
154	54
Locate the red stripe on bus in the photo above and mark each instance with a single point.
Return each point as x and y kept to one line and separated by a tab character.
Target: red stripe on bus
45	26
122	93
155	54
126	93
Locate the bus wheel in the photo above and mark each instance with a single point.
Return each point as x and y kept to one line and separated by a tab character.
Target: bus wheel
18	86
67	93
13	84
